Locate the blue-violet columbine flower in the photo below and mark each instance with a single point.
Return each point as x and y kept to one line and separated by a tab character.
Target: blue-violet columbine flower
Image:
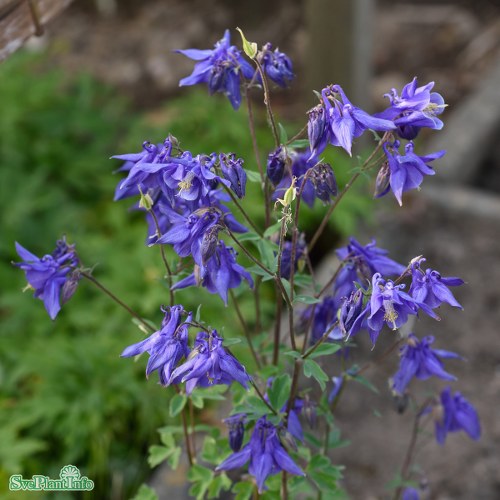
209	363
416	108
167	346
220	273
419	360
236	426
265	454
52	277
389	304
406	171
360	263
430	288
221	69
277	65
346	121
233	171
455	414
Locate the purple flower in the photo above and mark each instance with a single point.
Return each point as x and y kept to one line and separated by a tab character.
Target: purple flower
430	288
277	65
410	494
188	234
236	426
167	346
52	277
220	273
323	179
276	162
419	360
361	263
390	305
416	108
455	414
209	363
407	171
346	121
325	314
286	257
318	130
338	382
265	454
351	317
220	68
233	171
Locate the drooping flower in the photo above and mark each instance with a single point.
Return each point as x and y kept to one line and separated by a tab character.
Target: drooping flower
410	493
430	288
236	426
276	162
209	363
455	414
221	69
323	315
390	305
286	257
324	182
419	360
416	108
318	130
277	65
233	171
52	277
167	346
407	171
220	273
361	262
346	121
351	316
265	454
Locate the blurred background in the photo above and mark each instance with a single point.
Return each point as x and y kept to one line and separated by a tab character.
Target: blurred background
102	79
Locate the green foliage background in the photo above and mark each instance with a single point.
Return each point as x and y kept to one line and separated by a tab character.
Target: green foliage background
65	394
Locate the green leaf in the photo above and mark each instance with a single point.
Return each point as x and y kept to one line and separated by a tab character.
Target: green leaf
197	316
312	369
177	404
249	236
306	299
325	349
279	391
286	286
173	459
145	493
198	473
220	483
299	144
293	354
231	341
267	251
364	381
283	134
244	490
303	280
253	176
197	399
157	454
250	48
275	228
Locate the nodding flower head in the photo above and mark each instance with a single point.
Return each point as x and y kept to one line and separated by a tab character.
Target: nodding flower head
53	277
209	363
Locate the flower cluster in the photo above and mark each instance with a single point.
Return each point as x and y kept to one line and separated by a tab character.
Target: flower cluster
208	363
186	208
224	67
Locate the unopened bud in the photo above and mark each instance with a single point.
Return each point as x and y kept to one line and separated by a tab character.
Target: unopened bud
382	183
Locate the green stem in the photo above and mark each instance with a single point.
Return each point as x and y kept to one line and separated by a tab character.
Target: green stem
245	329
117	300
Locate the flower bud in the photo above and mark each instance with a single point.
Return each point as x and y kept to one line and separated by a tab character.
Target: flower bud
287	439
236	426
233	171
382	183
276	162
324	182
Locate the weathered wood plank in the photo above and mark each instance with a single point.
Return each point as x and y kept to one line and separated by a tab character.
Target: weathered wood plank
17	23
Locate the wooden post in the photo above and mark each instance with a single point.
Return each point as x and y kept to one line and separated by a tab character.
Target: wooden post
340	38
